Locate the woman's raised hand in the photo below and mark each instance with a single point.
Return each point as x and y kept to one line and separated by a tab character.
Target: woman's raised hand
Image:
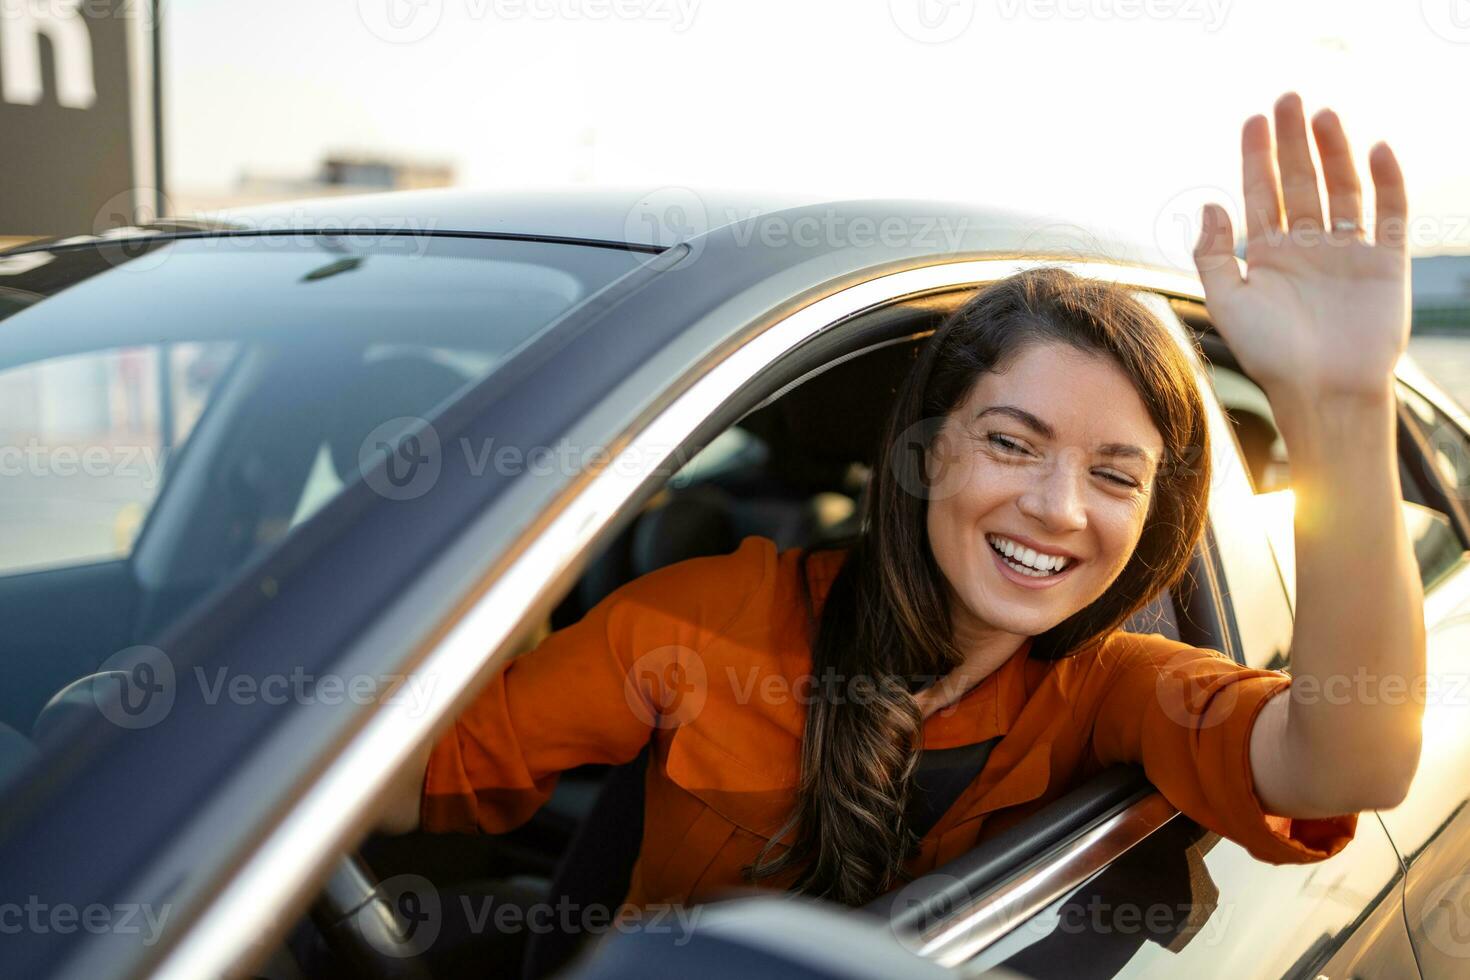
1319	311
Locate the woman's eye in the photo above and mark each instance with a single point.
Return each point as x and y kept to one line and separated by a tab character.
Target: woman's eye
1015	448
1006	443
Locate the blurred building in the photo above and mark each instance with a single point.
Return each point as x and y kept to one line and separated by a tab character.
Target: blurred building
338	174
1441	292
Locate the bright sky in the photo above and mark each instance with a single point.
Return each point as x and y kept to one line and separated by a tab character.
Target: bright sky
1120	113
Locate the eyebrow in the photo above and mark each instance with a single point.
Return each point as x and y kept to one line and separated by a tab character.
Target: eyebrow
1044	430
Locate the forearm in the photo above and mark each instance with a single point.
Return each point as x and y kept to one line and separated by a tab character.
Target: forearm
400	811
1347	738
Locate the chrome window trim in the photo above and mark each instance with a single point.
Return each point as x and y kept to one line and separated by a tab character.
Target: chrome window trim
997	911
294	854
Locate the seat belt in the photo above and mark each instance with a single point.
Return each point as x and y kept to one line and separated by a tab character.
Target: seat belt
942	775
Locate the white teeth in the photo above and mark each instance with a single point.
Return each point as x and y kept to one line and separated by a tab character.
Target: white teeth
1026	559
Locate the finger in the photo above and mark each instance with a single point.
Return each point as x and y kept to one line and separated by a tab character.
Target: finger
1390	203
1214	252
1258	177
1298	176
1344	194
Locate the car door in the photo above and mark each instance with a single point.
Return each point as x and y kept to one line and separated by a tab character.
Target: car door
1145	892
1432	826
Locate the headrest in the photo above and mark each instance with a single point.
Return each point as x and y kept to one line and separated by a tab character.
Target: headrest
838	416
378	392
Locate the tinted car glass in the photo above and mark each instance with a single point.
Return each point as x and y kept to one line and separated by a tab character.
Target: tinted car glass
171	410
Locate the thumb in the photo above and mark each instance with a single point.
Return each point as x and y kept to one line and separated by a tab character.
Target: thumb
1214	254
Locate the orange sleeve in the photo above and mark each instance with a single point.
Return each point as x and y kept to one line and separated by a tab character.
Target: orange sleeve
1186	714
592	692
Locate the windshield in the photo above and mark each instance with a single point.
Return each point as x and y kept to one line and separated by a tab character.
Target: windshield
171	409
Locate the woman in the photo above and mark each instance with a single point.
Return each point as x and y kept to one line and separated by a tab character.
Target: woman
788	697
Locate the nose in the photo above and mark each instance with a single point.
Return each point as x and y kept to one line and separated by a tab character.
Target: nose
1055	498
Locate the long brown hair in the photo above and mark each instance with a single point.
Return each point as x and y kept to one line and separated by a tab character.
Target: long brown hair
887	615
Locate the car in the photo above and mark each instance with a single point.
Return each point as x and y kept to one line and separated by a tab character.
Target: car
286	486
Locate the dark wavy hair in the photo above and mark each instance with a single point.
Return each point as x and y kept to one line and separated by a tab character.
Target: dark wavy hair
887	615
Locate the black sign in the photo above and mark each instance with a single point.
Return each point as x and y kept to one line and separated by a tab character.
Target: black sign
66	115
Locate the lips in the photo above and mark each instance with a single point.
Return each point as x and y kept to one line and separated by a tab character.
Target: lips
1026	581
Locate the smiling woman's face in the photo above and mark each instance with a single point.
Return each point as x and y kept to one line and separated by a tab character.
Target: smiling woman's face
1057	453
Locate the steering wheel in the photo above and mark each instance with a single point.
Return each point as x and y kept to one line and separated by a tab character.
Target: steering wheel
376	934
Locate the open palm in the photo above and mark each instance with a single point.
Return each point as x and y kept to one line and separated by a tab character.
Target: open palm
1319	310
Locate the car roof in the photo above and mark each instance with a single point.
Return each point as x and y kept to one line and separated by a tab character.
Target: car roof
657	218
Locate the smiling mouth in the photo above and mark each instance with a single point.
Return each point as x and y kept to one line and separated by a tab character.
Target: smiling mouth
1025	561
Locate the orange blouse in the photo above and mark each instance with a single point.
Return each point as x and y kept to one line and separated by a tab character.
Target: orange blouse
708	658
